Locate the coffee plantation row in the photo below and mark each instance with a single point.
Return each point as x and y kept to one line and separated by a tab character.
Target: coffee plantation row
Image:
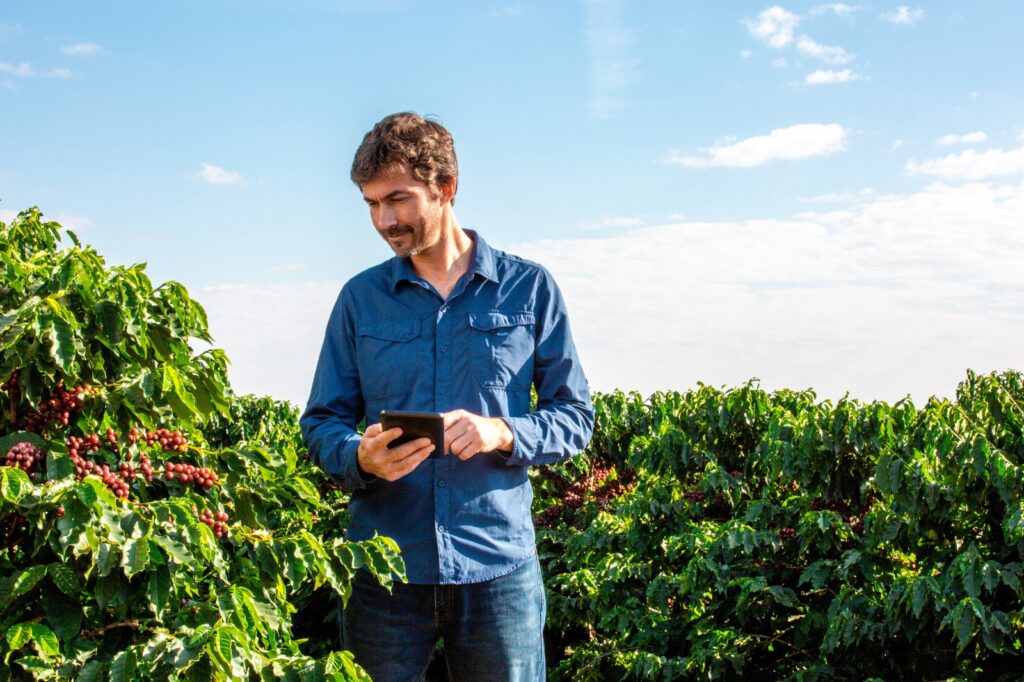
155	526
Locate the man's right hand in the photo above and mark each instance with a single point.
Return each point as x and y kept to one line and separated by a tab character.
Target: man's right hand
376	458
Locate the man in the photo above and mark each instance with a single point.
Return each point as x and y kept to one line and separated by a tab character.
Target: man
448	325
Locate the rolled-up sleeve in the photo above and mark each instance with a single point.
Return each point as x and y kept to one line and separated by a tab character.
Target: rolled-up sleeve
563	421
335	405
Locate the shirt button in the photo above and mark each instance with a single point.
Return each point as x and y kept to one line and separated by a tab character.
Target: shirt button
440	484
440	529
444	349
444	391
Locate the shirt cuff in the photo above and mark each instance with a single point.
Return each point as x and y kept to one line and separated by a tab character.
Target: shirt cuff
351	476
525	436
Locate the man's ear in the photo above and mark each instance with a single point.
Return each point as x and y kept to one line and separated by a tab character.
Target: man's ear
448	190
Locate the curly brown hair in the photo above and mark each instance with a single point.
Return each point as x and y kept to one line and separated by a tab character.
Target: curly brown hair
424	146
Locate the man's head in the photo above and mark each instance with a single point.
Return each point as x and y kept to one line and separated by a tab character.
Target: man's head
422	146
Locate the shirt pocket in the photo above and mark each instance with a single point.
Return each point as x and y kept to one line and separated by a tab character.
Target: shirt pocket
502	348
388	357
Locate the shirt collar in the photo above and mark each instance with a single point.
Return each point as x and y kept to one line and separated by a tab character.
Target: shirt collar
481	264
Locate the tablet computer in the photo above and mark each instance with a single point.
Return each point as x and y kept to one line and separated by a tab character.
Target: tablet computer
415	425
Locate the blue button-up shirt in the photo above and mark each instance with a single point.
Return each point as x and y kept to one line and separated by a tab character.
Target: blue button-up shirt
394	343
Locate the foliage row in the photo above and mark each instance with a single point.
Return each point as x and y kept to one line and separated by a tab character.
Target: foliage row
741	533
152	525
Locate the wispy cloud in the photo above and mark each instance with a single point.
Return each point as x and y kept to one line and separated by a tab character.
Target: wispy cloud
614	221
881	298
840	9
75	222
838	197
215	175
774	26
971	164
831	54
509	10
969	138
800	141
746	54
80	49
827	77
902	15
612	66
26	70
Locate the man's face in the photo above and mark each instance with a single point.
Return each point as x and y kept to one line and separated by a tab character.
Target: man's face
404	211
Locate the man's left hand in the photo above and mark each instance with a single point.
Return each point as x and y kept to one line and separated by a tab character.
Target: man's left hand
467	434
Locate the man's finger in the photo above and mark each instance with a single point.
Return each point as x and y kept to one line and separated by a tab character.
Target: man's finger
372	430
452	417
387	436
411	449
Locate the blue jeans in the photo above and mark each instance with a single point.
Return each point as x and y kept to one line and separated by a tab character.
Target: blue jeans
492	630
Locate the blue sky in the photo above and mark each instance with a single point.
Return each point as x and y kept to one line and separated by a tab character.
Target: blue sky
815	194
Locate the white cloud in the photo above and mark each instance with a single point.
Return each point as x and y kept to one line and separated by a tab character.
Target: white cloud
969	138
746	54
838	8
882	298
780	62
902	15
830	54
612	66
25	70
774	26
826	77
615	221
80	49
215	175
896	145
795	142
272	334
839	197
75	222
971	164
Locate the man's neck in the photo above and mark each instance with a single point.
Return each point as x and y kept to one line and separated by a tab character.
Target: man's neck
445	262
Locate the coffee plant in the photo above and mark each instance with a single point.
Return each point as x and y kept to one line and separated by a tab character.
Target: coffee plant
142	534
741	534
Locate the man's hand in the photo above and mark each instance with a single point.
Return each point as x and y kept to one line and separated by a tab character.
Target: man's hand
467	434
376	458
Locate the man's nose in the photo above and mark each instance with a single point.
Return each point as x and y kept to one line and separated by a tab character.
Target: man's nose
386	217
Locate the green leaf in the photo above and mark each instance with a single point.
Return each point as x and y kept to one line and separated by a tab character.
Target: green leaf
62	341
63	614
90	672
108	314
964	624
26	580
58	466
177	551
122	667
135	556
33	664
38	634
159	589
14	483
65	578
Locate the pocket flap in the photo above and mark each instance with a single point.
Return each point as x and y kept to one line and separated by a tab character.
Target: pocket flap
492	320
395	330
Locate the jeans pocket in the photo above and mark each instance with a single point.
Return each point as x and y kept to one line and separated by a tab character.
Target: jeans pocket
502	348
388	357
